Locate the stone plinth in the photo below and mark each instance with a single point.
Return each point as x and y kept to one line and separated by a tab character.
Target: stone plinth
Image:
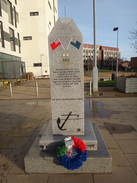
37	161
49	139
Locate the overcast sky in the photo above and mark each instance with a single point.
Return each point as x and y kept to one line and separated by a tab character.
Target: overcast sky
110	14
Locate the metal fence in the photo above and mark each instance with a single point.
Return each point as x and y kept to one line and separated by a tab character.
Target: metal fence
12	69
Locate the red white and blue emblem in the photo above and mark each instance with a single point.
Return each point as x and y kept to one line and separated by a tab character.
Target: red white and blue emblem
75	43
55	44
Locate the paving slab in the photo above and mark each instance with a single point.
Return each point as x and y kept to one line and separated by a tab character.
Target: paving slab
9	155
113	120
134	126
67	178
121	130
18	167
132	159
105	132
118	157
132	122
128	136
3	135
128	146
26	178
7	160
4	170
13	142
119	175
7	127
111	142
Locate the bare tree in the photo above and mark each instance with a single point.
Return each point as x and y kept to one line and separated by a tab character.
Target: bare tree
134	39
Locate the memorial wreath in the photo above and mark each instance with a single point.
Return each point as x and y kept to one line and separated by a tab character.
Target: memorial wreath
71	153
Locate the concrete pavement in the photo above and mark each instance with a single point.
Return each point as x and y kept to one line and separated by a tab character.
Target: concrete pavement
22	116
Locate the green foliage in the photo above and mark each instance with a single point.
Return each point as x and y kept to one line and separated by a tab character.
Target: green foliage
100	70
104	70
110	82
62	149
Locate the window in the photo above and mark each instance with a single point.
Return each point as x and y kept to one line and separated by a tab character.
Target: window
49	23
19	43
12	39
0	9
49	5
54	20
17	17
10	14
15	1
34	13
27	38
54	7
103	48
14	16
1	35
37	64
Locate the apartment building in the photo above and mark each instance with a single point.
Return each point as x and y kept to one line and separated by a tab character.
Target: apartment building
109	56
24	29
105	55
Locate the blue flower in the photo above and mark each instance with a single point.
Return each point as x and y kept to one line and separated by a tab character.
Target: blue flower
75	162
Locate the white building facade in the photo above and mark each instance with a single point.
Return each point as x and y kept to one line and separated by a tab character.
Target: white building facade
24	29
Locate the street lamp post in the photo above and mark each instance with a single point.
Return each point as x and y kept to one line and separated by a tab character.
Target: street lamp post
112	62
88	65
116	29
95	69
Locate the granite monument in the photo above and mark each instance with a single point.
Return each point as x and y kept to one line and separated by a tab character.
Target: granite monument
67	101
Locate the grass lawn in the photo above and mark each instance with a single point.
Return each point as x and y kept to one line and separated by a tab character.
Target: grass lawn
104	70
100	70
110	82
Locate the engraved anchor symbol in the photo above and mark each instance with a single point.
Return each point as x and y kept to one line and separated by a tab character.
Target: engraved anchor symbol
58	120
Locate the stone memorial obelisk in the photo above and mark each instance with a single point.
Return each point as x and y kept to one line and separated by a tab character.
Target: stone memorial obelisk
66	78
67	101
67	86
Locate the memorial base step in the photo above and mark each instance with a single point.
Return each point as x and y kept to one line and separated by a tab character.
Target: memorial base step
37	161
49	139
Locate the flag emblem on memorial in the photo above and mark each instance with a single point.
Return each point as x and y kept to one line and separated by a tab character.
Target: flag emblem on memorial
66	60
75	43
55	44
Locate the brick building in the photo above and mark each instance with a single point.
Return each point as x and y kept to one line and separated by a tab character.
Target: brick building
134	62
106	56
